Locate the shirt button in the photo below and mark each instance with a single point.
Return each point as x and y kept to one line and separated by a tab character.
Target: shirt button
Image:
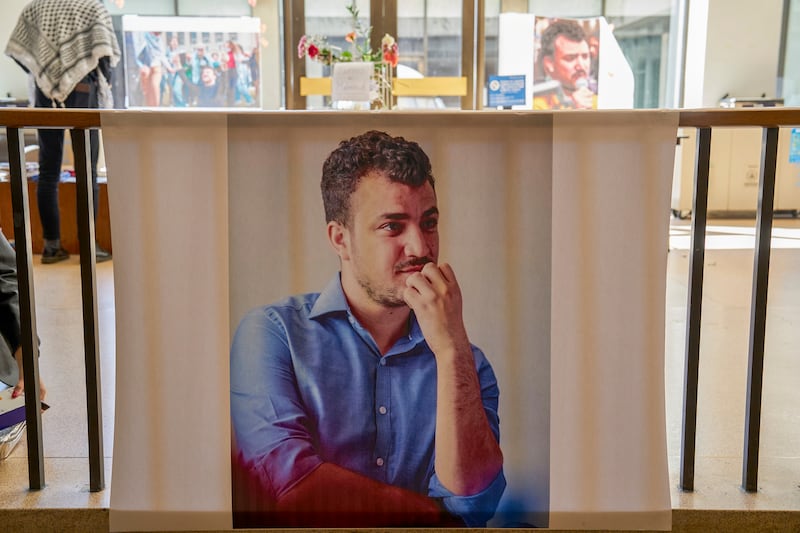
379	462
382	410
383	361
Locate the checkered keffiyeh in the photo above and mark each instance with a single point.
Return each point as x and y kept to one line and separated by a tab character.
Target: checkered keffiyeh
61	41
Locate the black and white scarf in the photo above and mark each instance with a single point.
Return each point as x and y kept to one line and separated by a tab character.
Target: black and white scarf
59	42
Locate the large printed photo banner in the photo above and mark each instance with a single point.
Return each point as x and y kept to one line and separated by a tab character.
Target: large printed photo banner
215	214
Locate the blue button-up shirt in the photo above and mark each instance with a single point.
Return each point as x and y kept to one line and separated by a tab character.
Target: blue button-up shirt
309	385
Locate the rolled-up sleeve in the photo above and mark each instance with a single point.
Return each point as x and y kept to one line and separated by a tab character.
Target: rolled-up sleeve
475	510
270	424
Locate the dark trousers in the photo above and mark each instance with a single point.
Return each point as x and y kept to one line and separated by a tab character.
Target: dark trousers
51	153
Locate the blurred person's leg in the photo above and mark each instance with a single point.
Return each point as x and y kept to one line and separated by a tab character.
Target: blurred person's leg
51	151
151	87
10	323
9	313
85	96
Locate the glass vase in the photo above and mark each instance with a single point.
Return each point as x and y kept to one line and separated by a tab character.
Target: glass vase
383	97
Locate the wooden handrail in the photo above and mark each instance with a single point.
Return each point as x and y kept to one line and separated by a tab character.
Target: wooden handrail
692	118
29	117
759	117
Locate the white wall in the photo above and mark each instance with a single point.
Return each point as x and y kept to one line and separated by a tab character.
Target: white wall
13	79
741	51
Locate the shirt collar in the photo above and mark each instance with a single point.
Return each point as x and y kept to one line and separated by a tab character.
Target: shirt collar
332	300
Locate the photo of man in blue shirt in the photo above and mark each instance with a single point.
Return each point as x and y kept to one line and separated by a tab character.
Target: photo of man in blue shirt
366	405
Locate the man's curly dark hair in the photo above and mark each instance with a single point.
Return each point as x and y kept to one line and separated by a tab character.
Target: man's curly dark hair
400	160
568	28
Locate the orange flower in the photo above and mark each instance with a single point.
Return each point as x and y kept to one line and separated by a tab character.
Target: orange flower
390	50
350	37
391	57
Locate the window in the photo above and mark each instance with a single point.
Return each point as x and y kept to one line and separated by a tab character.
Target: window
643	29
790	84
429	33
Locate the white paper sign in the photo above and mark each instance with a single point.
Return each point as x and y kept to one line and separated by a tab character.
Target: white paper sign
350	81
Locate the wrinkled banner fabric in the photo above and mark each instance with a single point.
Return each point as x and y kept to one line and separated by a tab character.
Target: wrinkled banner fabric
555	224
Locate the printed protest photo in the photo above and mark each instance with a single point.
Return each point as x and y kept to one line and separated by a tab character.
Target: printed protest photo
566	63
178	62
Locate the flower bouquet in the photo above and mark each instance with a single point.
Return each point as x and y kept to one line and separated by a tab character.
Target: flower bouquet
317	48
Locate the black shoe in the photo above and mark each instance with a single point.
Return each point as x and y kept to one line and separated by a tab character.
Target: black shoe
100	254
54	255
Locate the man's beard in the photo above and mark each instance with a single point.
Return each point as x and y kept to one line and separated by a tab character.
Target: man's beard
388	297
383	296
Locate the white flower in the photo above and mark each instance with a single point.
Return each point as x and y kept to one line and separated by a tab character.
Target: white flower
387	41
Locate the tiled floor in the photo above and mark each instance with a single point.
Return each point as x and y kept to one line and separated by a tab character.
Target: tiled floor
723	367
57	289
728	271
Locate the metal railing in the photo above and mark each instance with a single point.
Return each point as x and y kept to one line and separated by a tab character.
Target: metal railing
770	120
81	121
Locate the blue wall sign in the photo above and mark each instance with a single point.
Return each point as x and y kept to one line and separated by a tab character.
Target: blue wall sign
794	146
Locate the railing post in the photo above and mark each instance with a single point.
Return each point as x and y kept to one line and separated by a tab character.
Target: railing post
85	203
758	308
694	307
27	307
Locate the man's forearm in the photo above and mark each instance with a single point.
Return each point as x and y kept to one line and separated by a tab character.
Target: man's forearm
332	496
468	457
